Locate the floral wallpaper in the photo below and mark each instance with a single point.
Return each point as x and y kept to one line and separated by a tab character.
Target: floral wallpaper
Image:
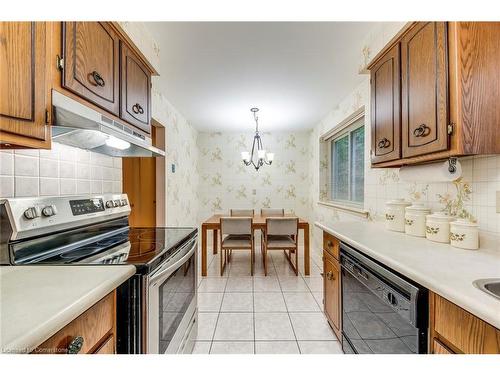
225	182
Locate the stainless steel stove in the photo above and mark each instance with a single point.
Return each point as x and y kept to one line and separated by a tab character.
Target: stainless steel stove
157	307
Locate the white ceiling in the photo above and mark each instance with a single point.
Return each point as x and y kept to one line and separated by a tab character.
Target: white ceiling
214	72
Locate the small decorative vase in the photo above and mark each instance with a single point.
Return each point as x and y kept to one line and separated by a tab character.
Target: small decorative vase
395	215
437	227
464	234
415	219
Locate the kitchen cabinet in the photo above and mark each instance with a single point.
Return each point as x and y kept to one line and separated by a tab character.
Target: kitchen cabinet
449	85
424	101
454	330
24	96
135	90
385	111
91	63
331	283
93	332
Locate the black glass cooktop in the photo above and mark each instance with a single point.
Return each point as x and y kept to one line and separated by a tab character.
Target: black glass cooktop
103	244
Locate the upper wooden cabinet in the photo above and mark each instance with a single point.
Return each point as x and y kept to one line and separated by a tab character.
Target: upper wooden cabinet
91	63
136	90
449	84
424	99
385	111
24	103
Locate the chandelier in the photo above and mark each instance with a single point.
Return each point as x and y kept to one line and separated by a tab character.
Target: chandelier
258	157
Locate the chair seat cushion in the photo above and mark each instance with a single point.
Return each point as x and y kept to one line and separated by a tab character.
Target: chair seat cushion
237	241
280	241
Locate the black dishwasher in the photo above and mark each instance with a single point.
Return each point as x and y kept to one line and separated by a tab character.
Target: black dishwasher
382	312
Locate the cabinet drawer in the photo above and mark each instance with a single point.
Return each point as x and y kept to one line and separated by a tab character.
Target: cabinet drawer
462	330
331	244
439	348
94	326
108	347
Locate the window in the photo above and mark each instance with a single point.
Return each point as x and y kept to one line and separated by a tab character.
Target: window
344	155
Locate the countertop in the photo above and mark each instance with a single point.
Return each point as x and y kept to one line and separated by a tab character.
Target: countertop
37	301
446	270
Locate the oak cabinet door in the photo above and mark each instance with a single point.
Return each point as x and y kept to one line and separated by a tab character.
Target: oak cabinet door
23	83
331	277
135	90
385	108
91	63
424	80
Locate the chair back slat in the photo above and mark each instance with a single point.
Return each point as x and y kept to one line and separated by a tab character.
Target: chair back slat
272	212
236	225
282	226
242	212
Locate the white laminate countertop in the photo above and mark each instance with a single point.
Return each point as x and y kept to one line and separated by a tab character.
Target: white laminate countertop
446	270
37	301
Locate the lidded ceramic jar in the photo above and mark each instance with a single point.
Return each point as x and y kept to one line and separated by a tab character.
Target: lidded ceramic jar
395	214
464	234
437	227
415	219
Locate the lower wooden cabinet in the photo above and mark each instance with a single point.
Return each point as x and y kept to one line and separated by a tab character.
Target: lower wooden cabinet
93	332
454	330
331	283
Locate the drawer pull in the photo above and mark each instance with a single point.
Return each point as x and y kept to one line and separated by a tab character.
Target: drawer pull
329	244
97	79
384	143
422	131
330	276
75	345
137	108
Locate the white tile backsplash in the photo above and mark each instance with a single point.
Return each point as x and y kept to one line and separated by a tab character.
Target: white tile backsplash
63	170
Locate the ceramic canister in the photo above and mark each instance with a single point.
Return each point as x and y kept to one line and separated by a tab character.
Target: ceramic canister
437	227
395	214
415	219
464	234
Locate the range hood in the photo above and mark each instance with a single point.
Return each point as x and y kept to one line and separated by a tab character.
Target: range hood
80	126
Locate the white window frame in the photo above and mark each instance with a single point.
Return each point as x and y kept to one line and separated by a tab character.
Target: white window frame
347	126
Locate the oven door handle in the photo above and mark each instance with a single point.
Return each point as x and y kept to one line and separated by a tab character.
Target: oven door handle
170	268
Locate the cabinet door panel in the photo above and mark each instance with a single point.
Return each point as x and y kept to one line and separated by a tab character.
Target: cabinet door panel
331	286
91	63
136	88
385	108
424	78
23	91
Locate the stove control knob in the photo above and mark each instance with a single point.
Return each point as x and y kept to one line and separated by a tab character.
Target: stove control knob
124	202
116	203
32	212
49	210
109	204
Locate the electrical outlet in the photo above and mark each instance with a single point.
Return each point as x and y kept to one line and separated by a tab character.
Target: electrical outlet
254	191
498	202
173	168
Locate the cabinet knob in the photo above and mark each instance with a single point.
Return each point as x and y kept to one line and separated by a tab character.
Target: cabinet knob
329	244
383	143
97	79
330	276
422	131
137	108
75	345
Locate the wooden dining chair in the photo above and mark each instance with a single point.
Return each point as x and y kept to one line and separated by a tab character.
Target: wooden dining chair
235	234
281	234
241	212
267	212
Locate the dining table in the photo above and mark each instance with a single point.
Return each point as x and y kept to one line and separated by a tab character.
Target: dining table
258	223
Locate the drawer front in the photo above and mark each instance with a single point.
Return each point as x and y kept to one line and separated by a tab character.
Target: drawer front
439	348
108	347
462	330
95	325
331	244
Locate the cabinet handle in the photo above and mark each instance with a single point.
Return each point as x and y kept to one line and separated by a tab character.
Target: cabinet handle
384	143
137	108
330	276
75	345
422	131
97	79
329	244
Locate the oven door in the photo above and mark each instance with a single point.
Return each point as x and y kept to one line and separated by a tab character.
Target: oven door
172	302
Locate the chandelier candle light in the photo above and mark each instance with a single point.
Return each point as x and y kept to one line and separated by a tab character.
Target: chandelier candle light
262	156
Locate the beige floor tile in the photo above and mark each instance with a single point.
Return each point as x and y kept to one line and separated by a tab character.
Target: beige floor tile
212	284
266	284
300	301
293	284
273	326
320	347
237	302
209	302
234	327
276	347
269	302
206	325
232	347
311	326
315	284
202	347
239	284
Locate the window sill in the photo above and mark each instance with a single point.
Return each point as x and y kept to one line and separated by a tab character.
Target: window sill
358	211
